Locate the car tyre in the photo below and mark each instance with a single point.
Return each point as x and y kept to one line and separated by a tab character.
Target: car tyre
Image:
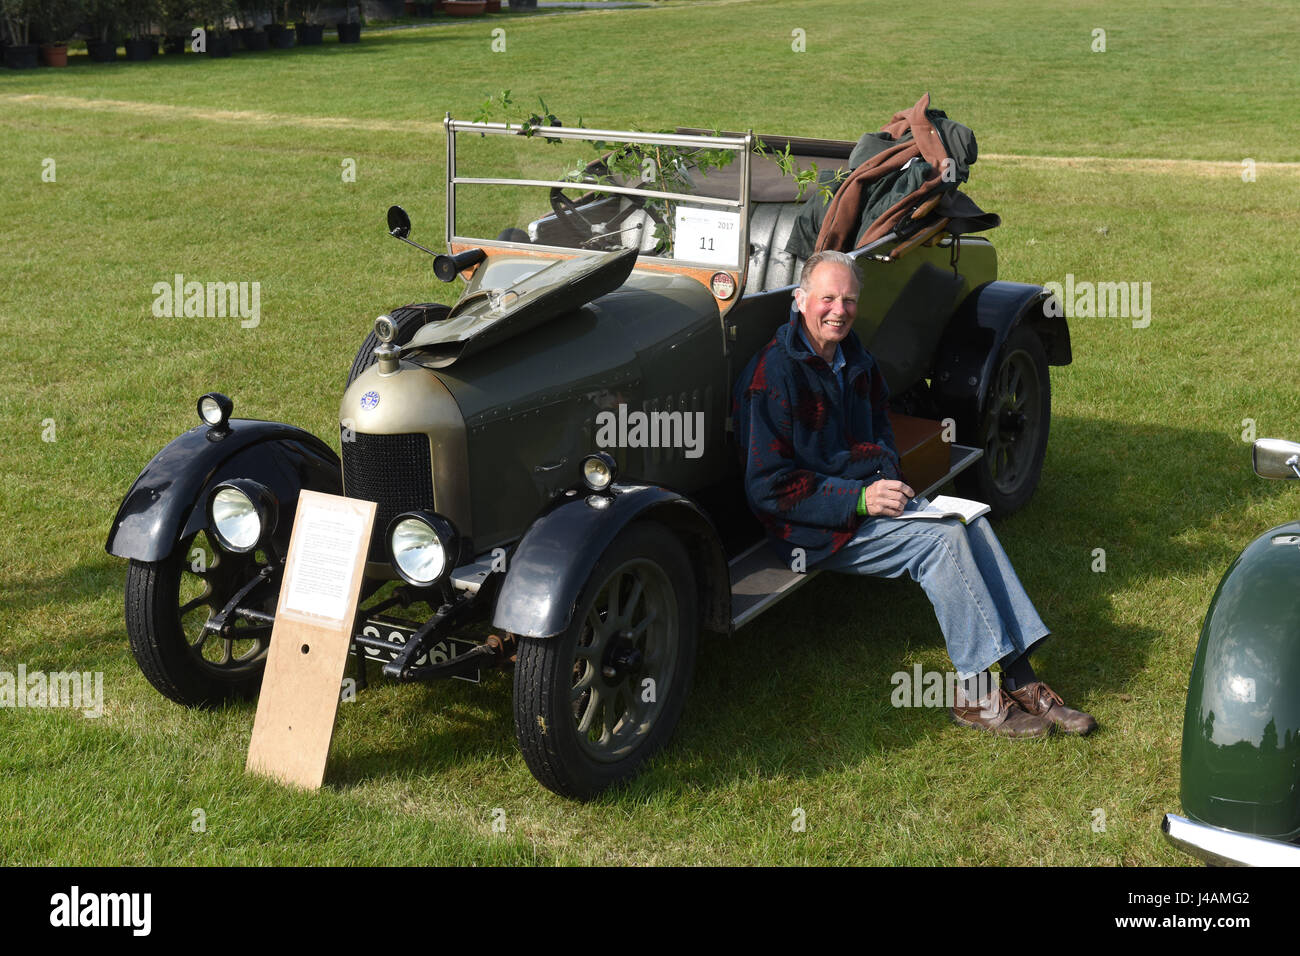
1013	427
594	703
167	603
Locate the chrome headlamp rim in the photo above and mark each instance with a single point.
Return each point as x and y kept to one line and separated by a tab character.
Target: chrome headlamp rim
231	504
436	529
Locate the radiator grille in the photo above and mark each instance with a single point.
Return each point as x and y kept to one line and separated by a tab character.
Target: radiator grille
394	471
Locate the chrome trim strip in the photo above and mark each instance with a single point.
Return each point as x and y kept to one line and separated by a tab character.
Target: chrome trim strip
449	221
1227	847
744	205
616	136
598	188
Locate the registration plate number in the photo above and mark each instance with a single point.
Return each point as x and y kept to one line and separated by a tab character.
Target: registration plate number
399	634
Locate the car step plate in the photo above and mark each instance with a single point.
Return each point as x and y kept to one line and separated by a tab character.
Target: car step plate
397	634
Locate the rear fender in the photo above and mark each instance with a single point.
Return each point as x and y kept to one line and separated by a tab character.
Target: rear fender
964	361
168	501
555	557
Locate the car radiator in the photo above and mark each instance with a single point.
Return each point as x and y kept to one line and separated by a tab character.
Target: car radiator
394	471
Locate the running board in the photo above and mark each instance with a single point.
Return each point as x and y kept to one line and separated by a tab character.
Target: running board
759	580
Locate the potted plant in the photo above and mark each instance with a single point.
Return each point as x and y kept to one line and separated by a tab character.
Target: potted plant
58	21
177	19
103	19
464	8
247	13
214	15
21	53
350	27
310	30
278	29
140	16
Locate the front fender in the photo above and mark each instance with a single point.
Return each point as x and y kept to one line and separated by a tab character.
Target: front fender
168	501
555	557
965	358
1241	729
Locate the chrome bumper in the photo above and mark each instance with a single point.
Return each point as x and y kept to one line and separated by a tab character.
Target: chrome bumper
1221	847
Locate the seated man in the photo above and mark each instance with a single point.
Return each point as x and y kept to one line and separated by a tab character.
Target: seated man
822	474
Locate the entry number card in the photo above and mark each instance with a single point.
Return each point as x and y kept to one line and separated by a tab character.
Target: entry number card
707	235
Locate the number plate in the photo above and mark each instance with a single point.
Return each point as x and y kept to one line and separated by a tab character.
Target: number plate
444	650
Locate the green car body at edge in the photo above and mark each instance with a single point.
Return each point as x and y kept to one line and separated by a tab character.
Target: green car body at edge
1241	731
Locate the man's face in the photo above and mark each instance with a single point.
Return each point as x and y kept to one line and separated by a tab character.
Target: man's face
829	306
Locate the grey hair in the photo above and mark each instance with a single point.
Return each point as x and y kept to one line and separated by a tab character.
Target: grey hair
826	255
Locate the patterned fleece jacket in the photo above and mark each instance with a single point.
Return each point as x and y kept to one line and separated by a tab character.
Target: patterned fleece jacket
809	447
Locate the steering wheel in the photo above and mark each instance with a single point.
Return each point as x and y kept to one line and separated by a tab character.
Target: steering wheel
606	235
567	212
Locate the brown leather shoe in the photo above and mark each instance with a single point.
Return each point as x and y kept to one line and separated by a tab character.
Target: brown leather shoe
999	714
1039	699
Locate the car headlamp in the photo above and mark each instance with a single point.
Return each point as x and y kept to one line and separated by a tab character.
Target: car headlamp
242	514
423	545
599	471
214	409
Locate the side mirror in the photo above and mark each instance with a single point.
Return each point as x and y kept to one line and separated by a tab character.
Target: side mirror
1276	458
399	223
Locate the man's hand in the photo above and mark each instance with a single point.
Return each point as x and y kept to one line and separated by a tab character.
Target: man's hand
887	497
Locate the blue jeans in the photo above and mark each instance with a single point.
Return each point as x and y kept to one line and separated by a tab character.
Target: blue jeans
983	610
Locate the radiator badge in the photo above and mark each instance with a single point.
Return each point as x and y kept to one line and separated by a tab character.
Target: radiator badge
370	399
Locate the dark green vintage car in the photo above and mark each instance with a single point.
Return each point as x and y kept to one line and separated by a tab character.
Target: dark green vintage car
557	483
1241	730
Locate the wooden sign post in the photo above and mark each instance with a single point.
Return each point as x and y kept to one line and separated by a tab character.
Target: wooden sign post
309	642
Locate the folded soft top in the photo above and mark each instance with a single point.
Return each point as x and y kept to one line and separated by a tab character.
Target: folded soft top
919	154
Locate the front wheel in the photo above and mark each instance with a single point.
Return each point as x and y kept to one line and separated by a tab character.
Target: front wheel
1013	426
594	703
168	602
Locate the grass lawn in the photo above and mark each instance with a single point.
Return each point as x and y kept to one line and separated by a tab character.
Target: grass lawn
231	170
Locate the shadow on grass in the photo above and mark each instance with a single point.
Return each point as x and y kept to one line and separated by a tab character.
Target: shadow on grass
807	687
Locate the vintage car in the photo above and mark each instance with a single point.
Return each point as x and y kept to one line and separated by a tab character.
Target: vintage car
1241	729
557	483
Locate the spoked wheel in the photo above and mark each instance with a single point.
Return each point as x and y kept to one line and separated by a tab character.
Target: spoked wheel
593	704
167	604
1013	426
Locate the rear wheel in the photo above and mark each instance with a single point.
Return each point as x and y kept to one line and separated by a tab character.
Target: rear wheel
167	604
1013	426
594	703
